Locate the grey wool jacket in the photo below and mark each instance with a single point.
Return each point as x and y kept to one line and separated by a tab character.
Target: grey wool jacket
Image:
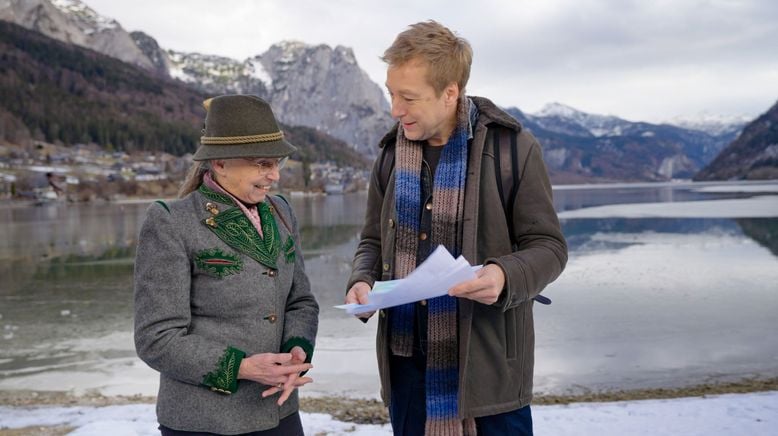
206	296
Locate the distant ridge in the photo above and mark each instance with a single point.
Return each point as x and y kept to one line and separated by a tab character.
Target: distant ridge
752	156
62	93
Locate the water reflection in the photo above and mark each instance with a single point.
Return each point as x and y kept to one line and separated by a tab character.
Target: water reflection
762	230
580	232
644	302
569	198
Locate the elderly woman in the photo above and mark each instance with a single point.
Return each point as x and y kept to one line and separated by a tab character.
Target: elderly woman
223	307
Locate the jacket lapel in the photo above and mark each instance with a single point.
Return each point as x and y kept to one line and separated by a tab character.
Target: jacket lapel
235	229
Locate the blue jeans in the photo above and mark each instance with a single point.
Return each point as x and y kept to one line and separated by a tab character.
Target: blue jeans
408	407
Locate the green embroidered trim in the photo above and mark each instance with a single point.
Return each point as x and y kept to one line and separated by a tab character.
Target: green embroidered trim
235	229
218	262
224	379
289	250
213	195
303	343
163	205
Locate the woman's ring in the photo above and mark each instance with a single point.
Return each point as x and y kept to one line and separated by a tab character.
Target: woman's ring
280	385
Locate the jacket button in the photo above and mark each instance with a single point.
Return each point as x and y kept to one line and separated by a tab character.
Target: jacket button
423	236
272	318
272	273
382	313
428	206
391	223
386	267
423	302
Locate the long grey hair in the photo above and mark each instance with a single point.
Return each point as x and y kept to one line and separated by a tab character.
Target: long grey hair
194	178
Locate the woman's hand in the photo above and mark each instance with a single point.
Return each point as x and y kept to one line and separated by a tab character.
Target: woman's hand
294	380
279	370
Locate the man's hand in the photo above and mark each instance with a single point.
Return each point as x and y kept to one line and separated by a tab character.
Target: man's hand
358	295
485	288
281	371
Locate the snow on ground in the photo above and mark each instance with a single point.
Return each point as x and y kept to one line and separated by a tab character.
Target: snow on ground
757	207
734	414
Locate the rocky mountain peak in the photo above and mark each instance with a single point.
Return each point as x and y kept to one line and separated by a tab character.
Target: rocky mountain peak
149	46
555	116
308	85
86	17
324	87
558	109
74	22
714	124
753	155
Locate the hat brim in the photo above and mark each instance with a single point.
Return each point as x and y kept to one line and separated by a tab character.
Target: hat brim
280	148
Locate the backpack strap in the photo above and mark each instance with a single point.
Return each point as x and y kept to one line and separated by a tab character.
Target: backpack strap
506	169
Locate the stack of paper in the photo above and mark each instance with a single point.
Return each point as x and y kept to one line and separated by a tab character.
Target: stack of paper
433	278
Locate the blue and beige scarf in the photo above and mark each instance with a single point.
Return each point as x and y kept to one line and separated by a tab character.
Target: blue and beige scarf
448	194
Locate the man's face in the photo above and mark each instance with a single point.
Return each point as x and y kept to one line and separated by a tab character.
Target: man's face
424	116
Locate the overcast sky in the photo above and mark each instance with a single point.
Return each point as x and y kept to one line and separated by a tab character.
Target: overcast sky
647	60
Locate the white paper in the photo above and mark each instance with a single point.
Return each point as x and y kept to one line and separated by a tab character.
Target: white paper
433	278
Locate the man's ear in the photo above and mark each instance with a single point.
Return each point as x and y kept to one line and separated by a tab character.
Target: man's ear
451	93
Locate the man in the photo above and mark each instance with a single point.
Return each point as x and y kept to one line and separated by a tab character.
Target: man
462	362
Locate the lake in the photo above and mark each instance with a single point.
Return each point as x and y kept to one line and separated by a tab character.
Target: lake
667	285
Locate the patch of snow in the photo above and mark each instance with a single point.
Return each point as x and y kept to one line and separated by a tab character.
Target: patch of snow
86	16
258	71
707	122
753	414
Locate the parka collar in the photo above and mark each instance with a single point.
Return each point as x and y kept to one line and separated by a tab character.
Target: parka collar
488	113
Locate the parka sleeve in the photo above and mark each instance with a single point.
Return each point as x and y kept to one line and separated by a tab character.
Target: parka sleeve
542	249
366	266
162	311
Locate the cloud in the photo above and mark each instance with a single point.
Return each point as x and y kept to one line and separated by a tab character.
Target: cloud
636	59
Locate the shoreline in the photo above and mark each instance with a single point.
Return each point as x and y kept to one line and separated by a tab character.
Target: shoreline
372	411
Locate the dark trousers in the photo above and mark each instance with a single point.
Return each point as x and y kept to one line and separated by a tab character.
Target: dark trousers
289	426
408	408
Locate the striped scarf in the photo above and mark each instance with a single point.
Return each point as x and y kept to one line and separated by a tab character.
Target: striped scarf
448	194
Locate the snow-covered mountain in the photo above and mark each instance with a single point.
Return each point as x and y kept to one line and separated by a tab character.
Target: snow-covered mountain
752	156
557	117
323	87
711	123
309	85
218	74
579	146
74	22
566	119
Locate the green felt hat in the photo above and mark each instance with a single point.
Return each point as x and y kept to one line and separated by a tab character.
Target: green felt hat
241	126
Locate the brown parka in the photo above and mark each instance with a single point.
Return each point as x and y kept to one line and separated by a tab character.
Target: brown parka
496	342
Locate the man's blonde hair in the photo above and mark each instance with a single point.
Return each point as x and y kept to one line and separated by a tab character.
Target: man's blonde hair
447	56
